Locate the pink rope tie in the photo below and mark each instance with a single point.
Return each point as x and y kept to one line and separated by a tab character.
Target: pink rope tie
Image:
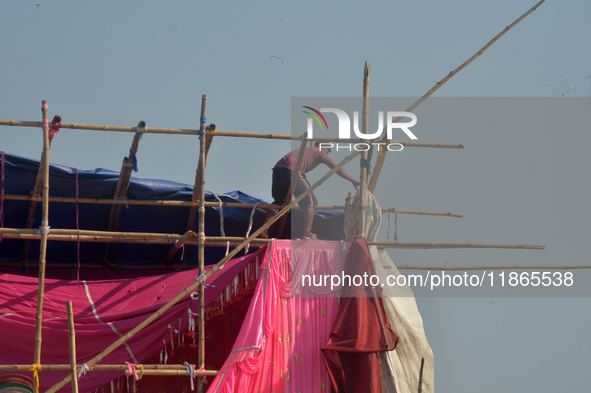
132	369
200	372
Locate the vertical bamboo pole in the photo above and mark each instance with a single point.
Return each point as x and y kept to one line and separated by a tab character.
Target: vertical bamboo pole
72	346
364	162
44	228
201	237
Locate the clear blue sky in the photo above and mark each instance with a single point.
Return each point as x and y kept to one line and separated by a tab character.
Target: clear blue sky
118	62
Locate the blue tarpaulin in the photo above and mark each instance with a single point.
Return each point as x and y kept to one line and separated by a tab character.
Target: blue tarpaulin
20	175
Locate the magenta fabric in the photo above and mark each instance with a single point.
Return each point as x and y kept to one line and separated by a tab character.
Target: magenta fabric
103	310
278	349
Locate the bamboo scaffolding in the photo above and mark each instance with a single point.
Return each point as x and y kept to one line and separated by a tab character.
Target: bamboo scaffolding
43	246
112	251
242	205
235	134
382	157
204	276
242	242
72	346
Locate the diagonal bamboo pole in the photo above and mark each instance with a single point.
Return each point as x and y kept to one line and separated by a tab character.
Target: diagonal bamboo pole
44	228
112	250
196	197
203	277
382	157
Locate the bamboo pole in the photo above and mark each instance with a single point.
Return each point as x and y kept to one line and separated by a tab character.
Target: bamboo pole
198	188
43	246
201	237
363	172
35	196
408	245
400	267
129	238
72	346
112	251
16	233
203	277
12	233
382	157
241	205
235	134
149	369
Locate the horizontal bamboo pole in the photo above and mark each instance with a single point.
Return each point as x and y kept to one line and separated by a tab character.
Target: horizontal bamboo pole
121	237
407	245
109	201
88	235
493	267
236	134
149	369
164	238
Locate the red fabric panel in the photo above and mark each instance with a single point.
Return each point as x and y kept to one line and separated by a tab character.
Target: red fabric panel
361	329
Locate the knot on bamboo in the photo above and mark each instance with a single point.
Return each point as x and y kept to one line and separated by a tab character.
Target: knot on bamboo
36	369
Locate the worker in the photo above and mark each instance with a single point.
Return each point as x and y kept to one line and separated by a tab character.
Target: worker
282	174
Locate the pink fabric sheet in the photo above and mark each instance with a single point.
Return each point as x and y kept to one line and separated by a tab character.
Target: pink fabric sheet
278	349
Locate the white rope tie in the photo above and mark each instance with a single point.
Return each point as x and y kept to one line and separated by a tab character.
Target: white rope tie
254	208
223	233
190	373
83	370
44	228
201	278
